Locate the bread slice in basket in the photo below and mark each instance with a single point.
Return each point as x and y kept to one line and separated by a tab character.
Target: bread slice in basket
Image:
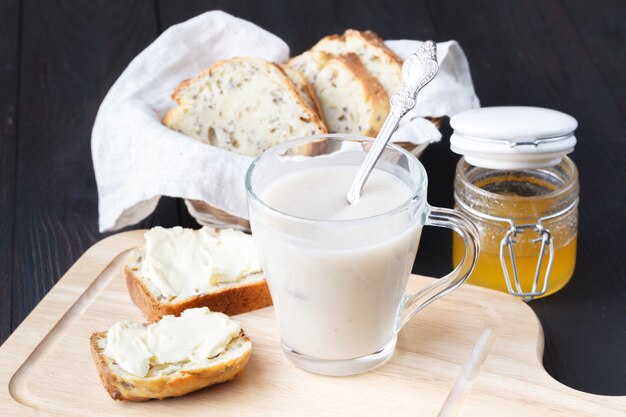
169	379
248	293
305	89
245	105
352	100
379	60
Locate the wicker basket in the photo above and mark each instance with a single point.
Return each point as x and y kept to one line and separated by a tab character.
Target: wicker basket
207	215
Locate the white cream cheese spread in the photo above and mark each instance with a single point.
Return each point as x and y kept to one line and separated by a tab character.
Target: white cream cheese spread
198	334
184	262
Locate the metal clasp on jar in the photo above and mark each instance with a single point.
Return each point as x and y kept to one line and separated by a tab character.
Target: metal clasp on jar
545	238
508	241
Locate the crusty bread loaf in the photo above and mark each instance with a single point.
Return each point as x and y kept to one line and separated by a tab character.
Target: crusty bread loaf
352	100
304	88
245	105
247	294
379	60
169	380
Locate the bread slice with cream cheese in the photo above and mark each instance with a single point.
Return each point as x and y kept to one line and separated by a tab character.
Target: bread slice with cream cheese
154	297
162	380
245	105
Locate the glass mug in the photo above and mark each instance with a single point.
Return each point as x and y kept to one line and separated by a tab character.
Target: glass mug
339	286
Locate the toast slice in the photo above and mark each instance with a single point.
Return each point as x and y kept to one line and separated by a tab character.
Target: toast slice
352	100
169	380
379	60
231	298
245	105
304	88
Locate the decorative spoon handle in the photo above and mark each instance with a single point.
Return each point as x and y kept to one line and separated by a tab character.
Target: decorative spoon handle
417	71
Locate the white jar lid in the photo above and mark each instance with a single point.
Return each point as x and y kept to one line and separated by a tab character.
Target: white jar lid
513	137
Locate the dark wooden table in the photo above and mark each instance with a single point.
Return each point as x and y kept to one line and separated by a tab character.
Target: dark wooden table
59	58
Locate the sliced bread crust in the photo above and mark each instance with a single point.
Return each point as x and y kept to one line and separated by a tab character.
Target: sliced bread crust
245	105
171	380
310	63
305	89
379	60
250	293
352	100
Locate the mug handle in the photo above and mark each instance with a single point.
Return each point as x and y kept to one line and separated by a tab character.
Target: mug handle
463	226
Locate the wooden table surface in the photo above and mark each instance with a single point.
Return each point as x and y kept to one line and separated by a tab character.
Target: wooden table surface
59	58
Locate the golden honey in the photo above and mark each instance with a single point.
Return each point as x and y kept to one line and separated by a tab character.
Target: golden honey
488	270
497	200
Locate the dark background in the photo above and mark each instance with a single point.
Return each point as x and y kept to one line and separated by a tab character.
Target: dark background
59	58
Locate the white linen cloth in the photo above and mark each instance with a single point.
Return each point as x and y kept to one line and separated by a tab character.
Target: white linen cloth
137	159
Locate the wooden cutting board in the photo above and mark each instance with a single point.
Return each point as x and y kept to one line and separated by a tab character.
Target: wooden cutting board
476	352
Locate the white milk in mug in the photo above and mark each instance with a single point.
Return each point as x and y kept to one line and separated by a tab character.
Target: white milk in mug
338	272
337	300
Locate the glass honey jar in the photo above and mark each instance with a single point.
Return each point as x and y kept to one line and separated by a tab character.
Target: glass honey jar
515	182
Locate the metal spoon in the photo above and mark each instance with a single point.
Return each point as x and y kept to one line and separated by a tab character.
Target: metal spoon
417	71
